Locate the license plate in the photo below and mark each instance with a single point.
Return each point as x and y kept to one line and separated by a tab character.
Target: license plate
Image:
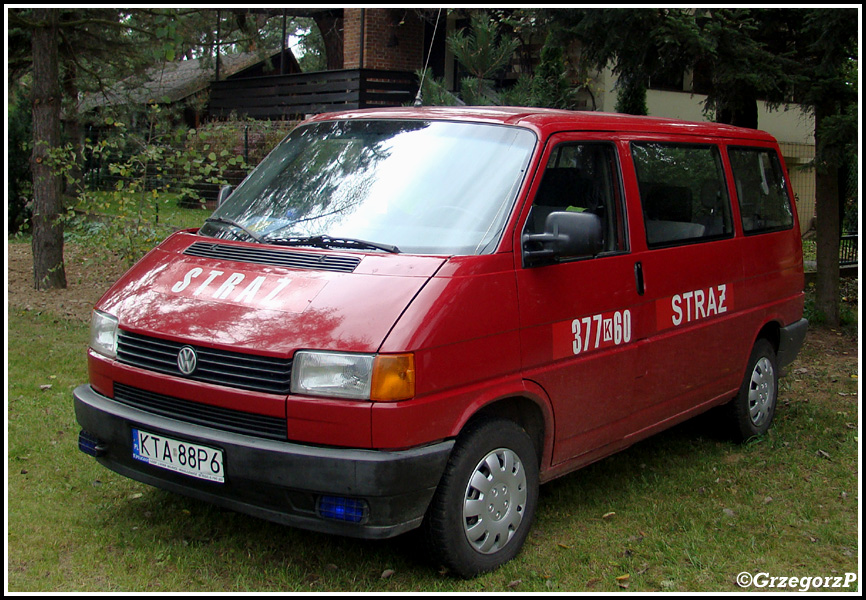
194	460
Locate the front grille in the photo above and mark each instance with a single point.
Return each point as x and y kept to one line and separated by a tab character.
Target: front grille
231	369
280	258
217	417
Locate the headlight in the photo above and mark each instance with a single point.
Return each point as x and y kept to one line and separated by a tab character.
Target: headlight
103	333
331	374
381	378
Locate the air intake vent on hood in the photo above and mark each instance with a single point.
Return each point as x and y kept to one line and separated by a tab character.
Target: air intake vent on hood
279	258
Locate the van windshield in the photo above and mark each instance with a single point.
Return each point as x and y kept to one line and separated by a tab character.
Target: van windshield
424	187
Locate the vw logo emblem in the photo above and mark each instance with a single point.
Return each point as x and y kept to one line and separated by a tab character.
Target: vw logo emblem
186	360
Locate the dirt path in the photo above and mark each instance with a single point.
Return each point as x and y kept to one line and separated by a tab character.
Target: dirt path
87	276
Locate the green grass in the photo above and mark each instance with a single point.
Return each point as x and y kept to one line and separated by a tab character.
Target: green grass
849	305
162	209
683	511
809	250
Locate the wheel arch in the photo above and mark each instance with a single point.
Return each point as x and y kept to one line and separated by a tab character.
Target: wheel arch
770	331
526	411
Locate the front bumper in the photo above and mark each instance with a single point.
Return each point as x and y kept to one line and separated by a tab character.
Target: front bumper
274	480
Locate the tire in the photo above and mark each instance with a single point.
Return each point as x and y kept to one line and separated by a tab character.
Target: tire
483	509
752	410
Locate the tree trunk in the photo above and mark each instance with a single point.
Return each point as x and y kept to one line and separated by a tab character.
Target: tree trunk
740	110
48	270
827	230
330	25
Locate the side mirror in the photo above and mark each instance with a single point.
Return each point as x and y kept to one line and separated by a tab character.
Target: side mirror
225	192
566	234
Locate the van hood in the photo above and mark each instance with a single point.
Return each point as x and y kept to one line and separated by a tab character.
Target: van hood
266	299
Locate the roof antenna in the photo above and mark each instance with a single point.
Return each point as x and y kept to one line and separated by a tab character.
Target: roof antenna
418	100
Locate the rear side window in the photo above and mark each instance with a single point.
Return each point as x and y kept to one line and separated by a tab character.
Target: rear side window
683	193
761	190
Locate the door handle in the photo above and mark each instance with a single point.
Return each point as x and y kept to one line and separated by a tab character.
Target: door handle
638	278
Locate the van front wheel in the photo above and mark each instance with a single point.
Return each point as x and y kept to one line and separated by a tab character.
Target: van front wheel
482	510
753	408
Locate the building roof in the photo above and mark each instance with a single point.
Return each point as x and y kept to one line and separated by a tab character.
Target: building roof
170	82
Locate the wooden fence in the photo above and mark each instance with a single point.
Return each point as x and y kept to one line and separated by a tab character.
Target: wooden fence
291	96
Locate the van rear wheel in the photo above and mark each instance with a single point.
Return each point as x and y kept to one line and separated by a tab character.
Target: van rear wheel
752	410
483	508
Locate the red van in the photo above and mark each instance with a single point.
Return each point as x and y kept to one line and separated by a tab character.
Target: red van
413	317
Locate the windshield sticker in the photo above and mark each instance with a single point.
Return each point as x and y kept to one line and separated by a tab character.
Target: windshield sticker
694	305
588	334
276	292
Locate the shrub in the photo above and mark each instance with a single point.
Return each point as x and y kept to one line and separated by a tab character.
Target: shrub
18	157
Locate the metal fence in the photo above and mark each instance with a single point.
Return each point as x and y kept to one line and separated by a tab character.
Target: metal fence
209	149
848	250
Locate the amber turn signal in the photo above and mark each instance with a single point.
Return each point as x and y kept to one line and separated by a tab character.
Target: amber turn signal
393	377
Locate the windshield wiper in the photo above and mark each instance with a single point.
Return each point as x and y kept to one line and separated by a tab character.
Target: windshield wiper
227	221
326	241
